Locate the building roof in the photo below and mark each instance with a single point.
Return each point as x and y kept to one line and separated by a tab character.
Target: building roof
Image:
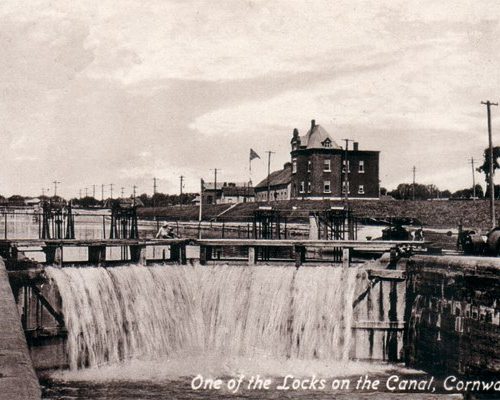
315	138
277	178
238	191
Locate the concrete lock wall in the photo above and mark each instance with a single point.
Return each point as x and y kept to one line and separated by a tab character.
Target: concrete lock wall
453	315
17	376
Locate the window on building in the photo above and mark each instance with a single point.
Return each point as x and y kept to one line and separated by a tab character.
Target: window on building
294	166
302	187
309	166
327	166
326	187
361	189
309	187
344	186
361	167
327	143
348	166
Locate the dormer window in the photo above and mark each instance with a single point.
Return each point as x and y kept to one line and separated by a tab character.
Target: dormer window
327	143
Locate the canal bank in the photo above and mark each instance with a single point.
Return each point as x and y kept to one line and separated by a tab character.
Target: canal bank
17	376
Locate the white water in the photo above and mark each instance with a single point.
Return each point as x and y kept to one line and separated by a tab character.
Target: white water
137	313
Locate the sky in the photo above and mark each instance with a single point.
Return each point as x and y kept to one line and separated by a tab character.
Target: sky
122	91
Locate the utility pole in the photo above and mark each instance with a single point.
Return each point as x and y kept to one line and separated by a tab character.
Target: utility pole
134	192
102	192
122	189
269	174
473	179
346	169
93	191
488	105
215	183
413	187
181	186
200	211
111	190
55	187
154	192
86	192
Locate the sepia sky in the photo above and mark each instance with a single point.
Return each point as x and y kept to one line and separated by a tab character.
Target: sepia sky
123	91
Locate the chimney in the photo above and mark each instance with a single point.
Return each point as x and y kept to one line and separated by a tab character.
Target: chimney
313	124
295	133
355	146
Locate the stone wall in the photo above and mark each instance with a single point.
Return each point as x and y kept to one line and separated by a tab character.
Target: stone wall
17	376
453	315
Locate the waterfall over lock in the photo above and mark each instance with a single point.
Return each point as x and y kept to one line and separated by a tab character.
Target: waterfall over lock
136	312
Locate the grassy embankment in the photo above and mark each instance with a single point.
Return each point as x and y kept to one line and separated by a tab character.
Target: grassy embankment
433	214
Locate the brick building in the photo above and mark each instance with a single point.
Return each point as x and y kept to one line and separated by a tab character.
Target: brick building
318	164
279	185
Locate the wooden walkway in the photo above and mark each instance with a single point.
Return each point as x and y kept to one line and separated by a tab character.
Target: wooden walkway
180	250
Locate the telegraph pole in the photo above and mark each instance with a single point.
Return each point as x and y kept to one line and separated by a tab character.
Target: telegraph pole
473	179
154	186
134	191
269	174
215	183
122	192
86	192
111	190
102	192
488	105
55	187
413	187
93	191
346	169
181	186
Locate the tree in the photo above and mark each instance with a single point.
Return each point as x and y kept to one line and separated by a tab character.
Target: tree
485	168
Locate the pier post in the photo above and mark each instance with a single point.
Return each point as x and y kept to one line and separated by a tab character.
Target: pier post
205	254
53	254
252	255
346	257
97	254
300	255
178	253
138	254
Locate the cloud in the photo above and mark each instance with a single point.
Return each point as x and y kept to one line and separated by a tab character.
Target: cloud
92	92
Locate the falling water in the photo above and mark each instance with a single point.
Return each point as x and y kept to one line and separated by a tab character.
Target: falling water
137	312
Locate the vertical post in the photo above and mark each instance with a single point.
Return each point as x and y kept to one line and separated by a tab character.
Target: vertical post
181	178
269	175
252	259
413	187
346	170
492	171
473	179
346	257
5	225
200	212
